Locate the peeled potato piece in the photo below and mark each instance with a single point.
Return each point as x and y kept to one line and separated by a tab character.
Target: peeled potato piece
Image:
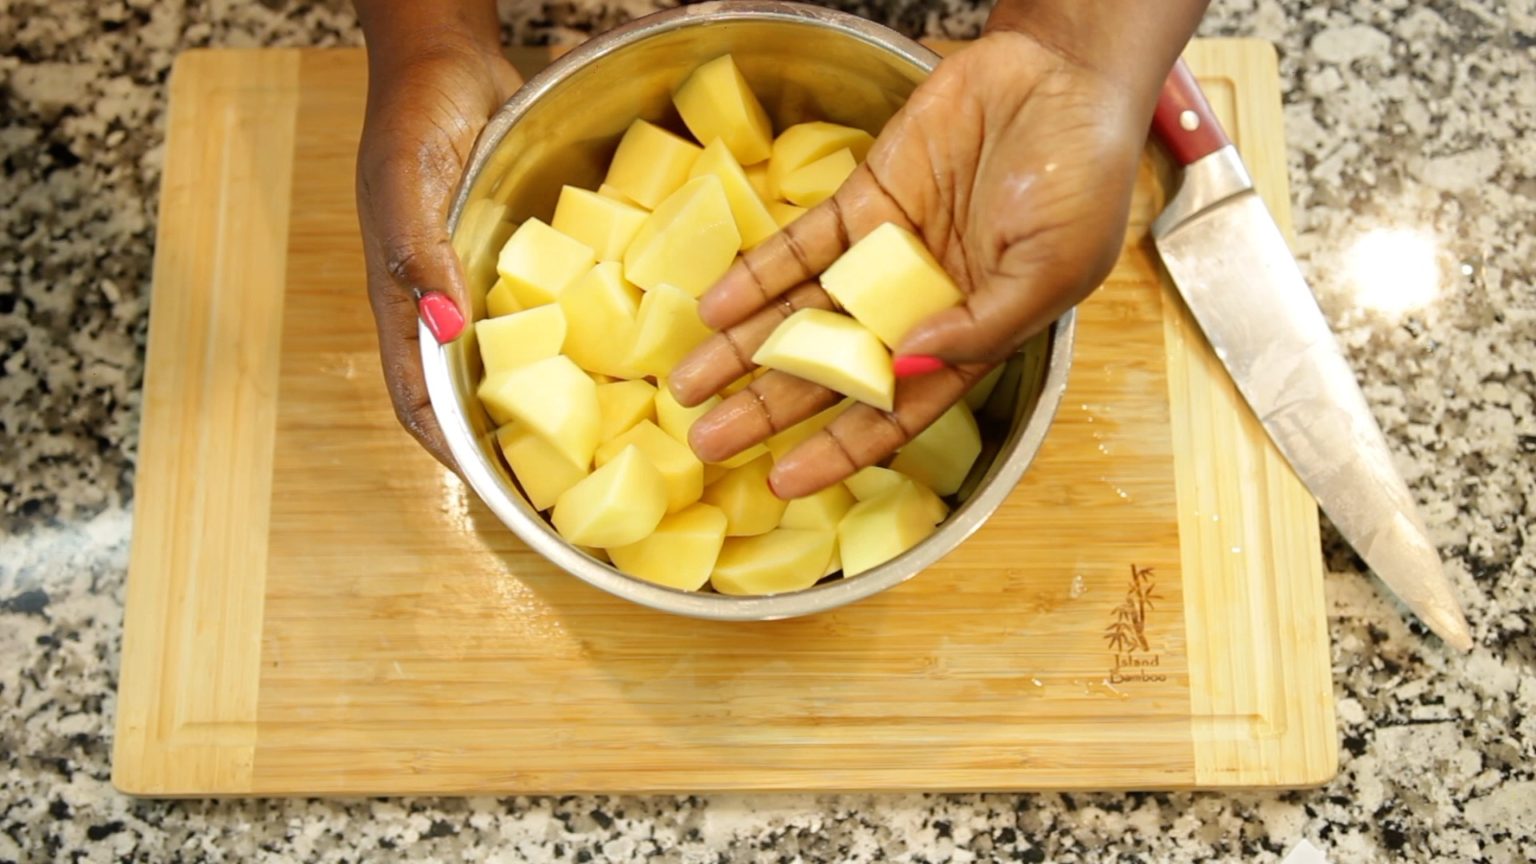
520	338
551	397
682	471
601	316
875	531
804	143
874	481
616	505
667	328
889	281
650	164
784	213
941	455
834	351
787	559
716	102
748	502
602	223
544	472
820	511
815	183
680	553
688	242
753	221
623	404
538	263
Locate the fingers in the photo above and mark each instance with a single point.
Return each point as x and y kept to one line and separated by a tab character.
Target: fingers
800	252
767	406
863	436
990	326
400	353
728	354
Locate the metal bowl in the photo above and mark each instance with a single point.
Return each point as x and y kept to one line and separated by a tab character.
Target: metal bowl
804	62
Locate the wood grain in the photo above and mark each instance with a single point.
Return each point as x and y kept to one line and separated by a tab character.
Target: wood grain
407	642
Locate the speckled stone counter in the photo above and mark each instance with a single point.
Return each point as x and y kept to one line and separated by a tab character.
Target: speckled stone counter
1413	168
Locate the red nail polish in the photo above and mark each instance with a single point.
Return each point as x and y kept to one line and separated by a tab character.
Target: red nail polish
442	316
916	364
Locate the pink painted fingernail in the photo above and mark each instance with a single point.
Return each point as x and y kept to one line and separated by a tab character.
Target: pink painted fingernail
916	364
442	316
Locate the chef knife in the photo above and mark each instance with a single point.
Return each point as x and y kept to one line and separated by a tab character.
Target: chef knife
1229	260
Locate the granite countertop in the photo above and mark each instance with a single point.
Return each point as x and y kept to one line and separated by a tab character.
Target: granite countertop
1412	152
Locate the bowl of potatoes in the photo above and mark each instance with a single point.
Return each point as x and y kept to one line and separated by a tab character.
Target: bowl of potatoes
599	203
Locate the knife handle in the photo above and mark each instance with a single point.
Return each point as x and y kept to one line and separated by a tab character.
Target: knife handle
1184	121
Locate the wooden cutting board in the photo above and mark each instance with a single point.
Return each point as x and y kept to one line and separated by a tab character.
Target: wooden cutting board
314	607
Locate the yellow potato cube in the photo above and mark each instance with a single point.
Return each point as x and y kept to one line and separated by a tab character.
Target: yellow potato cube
538	263
890	281
753	222
673	418
616	505
622	405
610	192
875	531
667	329
942	455
499	300
682	471
820	511
522	337
816	182
804	143
874	481
744	496
539	466
757	175
552	397
790	438
602	223
682	551
981	391
788	559
716	102
650	164
784	213
834	351
601	309
689	242
713	472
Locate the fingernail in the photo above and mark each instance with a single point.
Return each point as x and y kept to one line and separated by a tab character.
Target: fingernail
916	364
442	316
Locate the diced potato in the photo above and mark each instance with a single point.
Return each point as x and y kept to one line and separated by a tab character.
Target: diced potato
622	405
667	329
874	481
680	469
981	391
744	496
616	505
602	223
552	397
713	472
757	175
816	182
941	455
784	213
804	143
834	351
650	164
543	470
540	262
673	418
682	551
689	242
601	311
787	559
716	102
790	438
820	511
890	281
875	531
522	337
753	222
610	192
499	300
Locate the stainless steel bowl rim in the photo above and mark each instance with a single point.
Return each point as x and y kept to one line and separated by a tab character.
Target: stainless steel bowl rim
532	529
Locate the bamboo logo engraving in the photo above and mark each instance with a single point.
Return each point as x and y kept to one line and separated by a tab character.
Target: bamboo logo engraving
1127	634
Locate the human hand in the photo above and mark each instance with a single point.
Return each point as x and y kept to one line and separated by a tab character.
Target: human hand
435	76
1015	164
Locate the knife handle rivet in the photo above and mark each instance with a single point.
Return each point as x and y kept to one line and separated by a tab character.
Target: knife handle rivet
1189	121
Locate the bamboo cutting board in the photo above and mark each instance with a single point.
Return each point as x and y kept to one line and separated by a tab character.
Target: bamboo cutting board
314	607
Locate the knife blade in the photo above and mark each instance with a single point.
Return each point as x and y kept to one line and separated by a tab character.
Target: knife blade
1231	264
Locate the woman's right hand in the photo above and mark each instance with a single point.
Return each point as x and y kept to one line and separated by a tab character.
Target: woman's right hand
436	74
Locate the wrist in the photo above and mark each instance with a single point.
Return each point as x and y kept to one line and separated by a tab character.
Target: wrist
402	29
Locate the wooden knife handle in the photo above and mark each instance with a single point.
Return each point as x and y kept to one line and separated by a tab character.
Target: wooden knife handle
1184	121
